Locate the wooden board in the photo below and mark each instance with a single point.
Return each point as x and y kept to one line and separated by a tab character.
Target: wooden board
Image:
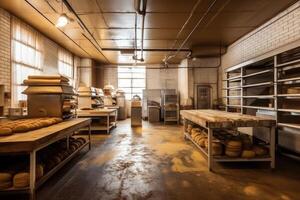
33	140
95	113
222	119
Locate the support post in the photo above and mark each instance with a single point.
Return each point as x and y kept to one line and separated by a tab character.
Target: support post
90	144
209	157
107	124
32	174
272	146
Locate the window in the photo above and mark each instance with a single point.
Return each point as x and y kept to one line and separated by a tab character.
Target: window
65	63
132	80
27	56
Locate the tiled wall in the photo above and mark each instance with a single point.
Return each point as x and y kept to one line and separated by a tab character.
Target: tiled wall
281	30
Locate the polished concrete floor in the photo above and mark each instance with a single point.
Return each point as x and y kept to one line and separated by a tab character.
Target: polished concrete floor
155	162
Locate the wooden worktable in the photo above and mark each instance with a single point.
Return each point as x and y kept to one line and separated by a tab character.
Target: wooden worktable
96	115
96	112
214	119
32	140
222	119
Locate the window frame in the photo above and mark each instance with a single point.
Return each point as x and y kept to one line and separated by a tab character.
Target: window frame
61	60
131	78
17	43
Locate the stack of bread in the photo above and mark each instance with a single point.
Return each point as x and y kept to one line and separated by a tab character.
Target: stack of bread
200	137
15	174
24	125
233	148
228	143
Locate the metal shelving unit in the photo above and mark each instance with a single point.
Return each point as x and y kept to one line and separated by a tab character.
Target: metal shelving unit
271	84
171	108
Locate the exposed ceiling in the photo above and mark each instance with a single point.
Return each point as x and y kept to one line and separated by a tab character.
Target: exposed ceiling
111	23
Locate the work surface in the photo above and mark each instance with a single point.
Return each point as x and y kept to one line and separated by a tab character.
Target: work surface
96	112
222	119
28	141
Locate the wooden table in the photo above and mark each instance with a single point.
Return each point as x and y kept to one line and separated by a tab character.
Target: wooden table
214	119
100	113
32	141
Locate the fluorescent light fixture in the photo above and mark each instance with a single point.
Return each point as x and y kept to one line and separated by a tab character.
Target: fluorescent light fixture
62	21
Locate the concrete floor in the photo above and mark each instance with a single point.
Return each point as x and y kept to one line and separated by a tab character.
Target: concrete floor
155	162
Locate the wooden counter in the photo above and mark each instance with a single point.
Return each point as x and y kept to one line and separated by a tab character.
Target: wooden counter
214	119
37	139
96	114
32	141
222	119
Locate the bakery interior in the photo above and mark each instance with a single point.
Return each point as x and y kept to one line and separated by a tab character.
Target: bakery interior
149	99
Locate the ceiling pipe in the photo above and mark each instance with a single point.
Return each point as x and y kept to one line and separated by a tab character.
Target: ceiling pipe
80	22
196	26
140	11
139	49
184	25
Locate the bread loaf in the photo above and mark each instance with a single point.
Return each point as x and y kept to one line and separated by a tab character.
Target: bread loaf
4	131
248	154
21	180
39	171
21	128
260	150
233	148
5	180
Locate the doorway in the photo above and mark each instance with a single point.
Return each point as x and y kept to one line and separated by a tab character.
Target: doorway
203	97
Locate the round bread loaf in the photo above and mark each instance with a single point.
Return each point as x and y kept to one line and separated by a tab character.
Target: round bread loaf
39	171
232	154
61	155
234	144
195	131
4	177
73	148
260	150
248	154
4	131
21	180
217	149
189	128
202	142
81	140
6	185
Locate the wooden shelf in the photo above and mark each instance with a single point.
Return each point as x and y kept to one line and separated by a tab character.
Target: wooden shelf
288	63
224	158
269	83
257	73
259	107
